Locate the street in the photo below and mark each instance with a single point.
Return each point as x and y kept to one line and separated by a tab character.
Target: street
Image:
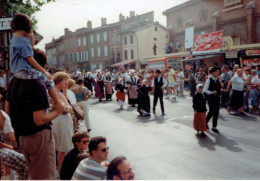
167	147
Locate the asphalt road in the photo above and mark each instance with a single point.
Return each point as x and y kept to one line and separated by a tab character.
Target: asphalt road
167	147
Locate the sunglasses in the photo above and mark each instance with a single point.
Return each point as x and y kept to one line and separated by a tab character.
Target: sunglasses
105	149
85	141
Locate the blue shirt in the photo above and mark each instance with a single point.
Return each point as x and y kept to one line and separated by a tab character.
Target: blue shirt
20	49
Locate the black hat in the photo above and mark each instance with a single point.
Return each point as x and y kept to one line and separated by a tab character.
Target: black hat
158	71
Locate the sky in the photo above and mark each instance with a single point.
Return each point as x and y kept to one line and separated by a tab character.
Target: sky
74	14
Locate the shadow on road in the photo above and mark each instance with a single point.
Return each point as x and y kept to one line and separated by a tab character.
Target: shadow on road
220	140
246	117
222	118
95	103
206	142
147	119
130	109
119	110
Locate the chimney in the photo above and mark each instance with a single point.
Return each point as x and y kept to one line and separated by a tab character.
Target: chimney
121	17
103	21
66	31
89	25
132	14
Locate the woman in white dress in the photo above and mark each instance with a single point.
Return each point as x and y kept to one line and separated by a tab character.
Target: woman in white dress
62	125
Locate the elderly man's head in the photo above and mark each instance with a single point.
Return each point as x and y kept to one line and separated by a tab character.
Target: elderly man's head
120	169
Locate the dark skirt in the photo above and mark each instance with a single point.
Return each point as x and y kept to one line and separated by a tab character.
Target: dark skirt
236	100
143	102
89	86
99	90
108	96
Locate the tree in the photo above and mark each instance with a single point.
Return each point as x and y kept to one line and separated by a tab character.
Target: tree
28	7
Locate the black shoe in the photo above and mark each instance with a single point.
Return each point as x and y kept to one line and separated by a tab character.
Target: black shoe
203	134
163	114
215	130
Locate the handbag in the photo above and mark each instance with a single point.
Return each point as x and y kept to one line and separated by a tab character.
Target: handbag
79	113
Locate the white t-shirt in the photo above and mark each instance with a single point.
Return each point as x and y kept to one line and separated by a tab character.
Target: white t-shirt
254	80
2	83
71	96
237	83
180	76
7	127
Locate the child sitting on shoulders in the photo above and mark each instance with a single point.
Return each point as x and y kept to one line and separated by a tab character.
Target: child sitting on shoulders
22	63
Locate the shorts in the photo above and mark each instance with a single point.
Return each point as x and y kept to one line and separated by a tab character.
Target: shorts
172	84
35	74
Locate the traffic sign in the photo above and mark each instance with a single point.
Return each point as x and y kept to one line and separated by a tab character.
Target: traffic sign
5	23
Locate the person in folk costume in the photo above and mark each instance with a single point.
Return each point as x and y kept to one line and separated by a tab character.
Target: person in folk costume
133	83
108	87
115	76
199	106
99	86
144	99
88	81
158	85
192	81
120	95
212	89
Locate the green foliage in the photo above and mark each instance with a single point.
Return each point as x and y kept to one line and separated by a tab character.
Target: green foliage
28	7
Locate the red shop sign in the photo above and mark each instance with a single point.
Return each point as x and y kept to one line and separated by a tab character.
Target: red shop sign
250	62
210	42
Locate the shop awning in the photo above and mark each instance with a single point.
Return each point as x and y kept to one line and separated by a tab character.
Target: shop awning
200	58
123	63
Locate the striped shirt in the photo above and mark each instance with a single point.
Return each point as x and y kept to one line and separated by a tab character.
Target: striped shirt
89	169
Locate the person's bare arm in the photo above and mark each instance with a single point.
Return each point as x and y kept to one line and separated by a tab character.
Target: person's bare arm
11	138
3	145
229	85
64	100
2	120
40	117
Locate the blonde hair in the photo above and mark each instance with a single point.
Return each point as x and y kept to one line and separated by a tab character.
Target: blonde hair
71	83
59	76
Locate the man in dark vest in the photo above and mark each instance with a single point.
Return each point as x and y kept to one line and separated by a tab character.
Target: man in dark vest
158	85
212	89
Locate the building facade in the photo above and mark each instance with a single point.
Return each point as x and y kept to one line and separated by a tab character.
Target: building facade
138	42
94	48
239	19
